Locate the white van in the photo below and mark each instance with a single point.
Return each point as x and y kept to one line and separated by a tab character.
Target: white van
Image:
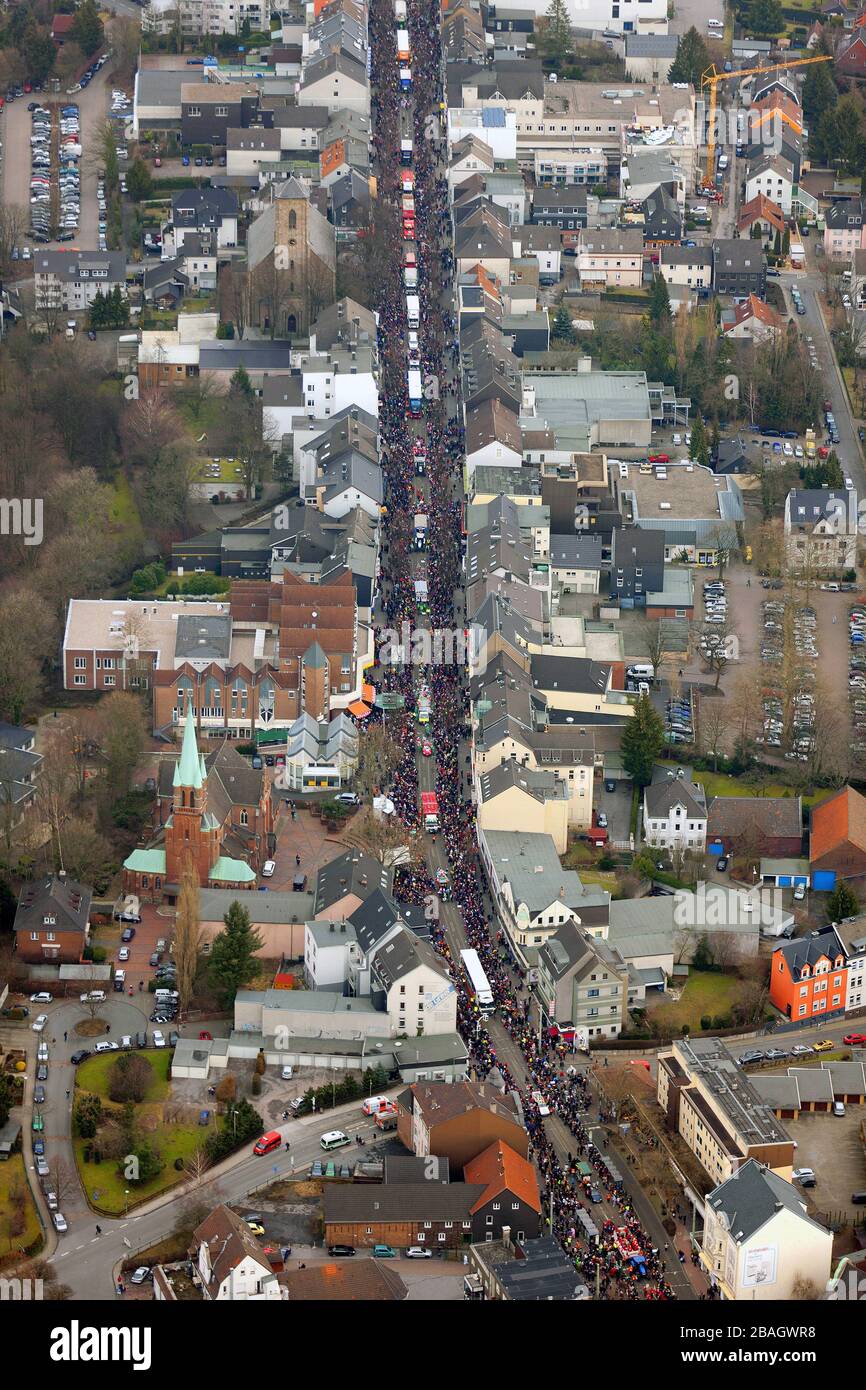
334	1139
715	24
641	670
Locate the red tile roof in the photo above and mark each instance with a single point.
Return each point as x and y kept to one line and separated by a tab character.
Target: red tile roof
503	1170
761	209
840	820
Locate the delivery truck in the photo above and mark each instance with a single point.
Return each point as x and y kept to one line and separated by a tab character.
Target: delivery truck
430	811
413	310
405	151
405	79
420	533
404	52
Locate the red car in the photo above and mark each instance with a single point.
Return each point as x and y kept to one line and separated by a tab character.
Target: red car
427	749
408	230
659	458
854	1040
205	1037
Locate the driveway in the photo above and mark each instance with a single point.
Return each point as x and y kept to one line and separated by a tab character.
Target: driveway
616	806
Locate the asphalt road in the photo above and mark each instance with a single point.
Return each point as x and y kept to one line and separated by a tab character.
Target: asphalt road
810	284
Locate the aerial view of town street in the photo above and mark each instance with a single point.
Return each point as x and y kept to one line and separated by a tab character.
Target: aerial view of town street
432	664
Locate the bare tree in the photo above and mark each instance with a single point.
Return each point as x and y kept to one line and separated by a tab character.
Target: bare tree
383	837
14	222
196	1168
187	936
378	757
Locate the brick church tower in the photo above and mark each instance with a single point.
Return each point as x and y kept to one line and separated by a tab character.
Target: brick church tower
191	830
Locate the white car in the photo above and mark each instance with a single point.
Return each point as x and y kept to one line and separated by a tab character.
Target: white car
95	996
123	953
678	439
39	1023
158	1038
417	1252
43	997
59	1221
42	1051
42	1168
268	868
105	1047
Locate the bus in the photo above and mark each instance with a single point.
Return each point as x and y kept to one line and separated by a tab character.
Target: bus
480	984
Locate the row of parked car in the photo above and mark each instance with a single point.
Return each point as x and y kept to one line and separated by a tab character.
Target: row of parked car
857	675
679	722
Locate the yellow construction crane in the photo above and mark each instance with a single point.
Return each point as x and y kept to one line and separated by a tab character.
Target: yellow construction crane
711	79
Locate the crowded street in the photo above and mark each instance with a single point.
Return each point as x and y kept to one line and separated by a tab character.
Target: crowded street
422	447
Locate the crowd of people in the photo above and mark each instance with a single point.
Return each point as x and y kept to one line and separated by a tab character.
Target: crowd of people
437	487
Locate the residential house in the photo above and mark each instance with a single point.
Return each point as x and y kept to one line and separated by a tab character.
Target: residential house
809	976
230	1263
687	267
610	259
52	921
564	207
739	267
771	176
844	229
70	280
753	321
210	212
760	1240
851	58
534	895
511	797
637	565
582	982
510	1197
458	1121
19	773
761	212
675	814
819	534
493	436
209	110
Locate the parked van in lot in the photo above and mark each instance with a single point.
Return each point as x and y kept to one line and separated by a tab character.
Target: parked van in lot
267	1143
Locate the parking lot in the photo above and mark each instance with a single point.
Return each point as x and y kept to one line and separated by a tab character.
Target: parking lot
16	123
833	1147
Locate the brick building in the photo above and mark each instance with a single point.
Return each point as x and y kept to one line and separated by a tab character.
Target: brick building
52	923
458	1121
837	842
191	832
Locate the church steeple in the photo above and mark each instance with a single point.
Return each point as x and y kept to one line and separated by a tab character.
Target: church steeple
189	771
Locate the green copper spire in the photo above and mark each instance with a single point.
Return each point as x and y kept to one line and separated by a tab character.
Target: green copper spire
188	772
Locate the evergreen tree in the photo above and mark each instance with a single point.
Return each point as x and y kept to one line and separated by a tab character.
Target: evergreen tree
563	328
692	60
87	30
240	383
766	17
642	741
232	961
699	449
556	37
660	314
841	903
139	181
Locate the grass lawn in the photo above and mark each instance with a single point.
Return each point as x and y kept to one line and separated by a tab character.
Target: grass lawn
720	784
93	1074
172	1141
105	1186
12	1177
230	472
123	508
705	992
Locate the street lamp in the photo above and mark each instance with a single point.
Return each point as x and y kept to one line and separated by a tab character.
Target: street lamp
126	1201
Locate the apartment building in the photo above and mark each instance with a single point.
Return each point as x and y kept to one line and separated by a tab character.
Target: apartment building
710	1102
